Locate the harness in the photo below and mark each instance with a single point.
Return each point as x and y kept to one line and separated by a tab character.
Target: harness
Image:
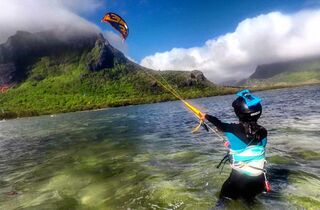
250	161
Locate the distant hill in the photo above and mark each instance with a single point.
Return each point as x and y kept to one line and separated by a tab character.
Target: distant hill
295	72
59	71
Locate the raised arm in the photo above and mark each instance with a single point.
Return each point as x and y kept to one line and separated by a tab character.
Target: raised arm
216	122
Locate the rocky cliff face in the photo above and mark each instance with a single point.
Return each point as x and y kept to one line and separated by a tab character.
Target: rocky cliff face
7	73
103	56
196	77
186	78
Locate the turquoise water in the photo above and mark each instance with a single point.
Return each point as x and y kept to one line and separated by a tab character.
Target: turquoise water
145	157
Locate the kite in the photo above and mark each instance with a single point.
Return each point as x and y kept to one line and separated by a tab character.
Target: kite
117	23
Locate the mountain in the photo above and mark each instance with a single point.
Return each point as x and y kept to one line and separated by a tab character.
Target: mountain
58	71
293	72
24	49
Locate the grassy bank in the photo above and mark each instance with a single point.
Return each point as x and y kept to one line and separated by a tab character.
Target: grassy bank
27	101
59	84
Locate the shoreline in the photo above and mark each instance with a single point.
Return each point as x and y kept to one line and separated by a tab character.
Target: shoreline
96	107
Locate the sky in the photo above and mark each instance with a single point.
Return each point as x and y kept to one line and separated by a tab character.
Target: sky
225	39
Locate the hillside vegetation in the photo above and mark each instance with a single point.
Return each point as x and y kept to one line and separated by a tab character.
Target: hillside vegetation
63	84
283	79
288	73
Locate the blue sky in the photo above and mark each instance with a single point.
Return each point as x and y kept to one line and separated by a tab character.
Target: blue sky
157	26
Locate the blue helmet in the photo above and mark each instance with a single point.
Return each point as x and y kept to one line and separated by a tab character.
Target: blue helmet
247	106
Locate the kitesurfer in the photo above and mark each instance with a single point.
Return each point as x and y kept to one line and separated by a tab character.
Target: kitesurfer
246	142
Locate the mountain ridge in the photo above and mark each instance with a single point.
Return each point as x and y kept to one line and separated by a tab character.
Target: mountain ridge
80	72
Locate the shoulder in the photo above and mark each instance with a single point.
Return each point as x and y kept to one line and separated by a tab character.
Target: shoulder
234	127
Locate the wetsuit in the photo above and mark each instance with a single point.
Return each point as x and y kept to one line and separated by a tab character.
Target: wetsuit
245	181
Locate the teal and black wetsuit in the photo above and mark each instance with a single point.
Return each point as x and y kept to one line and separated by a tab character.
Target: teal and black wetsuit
247	141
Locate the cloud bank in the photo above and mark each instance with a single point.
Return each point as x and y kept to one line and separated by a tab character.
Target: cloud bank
39	15
263	39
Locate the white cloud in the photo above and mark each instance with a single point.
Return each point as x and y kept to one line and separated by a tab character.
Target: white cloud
263	39
38	15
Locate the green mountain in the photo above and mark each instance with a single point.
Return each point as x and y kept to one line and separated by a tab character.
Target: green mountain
289	73
54	71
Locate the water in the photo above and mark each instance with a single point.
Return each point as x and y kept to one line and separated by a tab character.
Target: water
145	157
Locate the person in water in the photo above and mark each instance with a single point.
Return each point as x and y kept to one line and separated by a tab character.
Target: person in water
246	142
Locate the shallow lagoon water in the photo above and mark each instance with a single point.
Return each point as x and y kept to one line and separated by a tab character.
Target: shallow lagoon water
145	157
